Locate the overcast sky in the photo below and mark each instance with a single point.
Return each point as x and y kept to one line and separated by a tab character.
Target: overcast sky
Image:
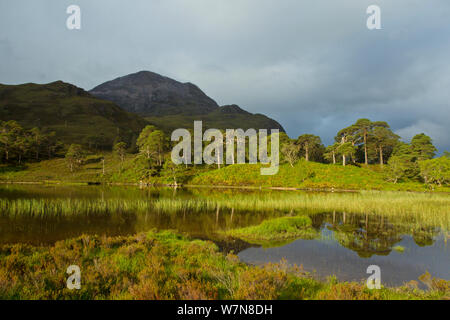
312	65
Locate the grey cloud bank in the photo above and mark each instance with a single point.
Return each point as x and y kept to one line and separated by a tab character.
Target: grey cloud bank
311	65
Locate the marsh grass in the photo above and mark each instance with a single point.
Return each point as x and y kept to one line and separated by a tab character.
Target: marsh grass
424	209
278	230
167	266
399	249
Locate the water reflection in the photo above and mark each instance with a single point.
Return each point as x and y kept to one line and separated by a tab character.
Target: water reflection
369	235
348	243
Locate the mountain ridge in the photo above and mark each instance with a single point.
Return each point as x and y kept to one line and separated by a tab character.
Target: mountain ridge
150	94
170	104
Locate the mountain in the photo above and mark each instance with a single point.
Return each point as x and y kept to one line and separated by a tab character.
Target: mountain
170	104
150	94
74	114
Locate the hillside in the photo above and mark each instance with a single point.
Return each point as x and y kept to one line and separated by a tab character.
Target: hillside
74	114
170	104
308	175
304	175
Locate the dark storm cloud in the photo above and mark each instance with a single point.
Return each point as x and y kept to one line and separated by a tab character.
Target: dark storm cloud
312	65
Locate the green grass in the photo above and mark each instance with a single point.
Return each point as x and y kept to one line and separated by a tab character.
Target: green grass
276	231
305	175
308	175
169	266
57	171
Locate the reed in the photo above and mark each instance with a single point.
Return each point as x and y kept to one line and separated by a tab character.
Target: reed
426	209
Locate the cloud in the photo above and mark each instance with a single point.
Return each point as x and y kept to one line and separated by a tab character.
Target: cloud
435	130
311	65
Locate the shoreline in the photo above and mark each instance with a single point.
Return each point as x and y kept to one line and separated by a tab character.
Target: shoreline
147	185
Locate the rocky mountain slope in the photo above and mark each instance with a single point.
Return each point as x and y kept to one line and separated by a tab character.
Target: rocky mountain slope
150	94
170	104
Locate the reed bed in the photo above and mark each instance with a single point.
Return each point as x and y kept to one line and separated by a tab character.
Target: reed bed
427	209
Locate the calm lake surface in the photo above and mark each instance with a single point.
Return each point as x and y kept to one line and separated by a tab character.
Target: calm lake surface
345	245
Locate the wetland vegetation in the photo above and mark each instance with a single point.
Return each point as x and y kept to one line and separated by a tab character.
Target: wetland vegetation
167	266
221	241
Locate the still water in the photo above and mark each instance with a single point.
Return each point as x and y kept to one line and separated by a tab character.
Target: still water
345	244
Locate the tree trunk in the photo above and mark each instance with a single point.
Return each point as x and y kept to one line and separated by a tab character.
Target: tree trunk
343	160
334	158
365	149
217	214
306	152
381	156
351	157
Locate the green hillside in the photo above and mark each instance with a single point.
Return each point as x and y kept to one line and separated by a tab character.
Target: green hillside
308	175
304	175
74	114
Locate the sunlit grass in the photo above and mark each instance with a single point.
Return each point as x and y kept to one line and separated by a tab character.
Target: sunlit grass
425	209
168	266
277	231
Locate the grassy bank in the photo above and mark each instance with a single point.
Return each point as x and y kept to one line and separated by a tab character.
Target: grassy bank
304	175
310	175
168	266
57	170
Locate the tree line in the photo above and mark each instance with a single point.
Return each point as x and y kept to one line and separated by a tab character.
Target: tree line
18	145
363	143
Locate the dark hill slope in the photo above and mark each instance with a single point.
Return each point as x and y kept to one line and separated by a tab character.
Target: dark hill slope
74	114
150	94
226	117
